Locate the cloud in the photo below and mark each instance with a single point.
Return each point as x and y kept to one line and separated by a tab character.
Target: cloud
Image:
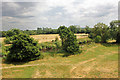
53	13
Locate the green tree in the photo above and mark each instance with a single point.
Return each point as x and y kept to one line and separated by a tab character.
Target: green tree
69	41
63	32
23	48
87	30
73	28
71	44
115	30
101	30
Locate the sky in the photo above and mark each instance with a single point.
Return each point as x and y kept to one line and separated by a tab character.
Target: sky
31	14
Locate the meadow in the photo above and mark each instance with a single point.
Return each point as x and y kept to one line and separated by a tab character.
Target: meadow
96	61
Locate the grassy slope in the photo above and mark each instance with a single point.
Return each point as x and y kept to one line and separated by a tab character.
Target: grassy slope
96	60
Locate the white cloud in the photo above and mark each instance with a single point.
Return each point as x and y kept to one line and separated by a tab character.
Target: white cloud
52	13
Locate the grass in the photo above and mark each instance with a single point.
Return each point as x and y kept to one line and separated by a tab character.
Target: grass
95	61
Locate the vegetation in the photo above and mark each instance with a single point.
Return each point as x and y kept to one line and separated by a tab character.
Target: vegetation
115	30
23	48
101	30
75	29
69	41
105	32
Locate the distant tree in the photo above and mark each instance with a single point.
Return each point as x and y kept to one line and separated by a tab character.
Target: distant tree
115	30
101	30
23	48
83	30
87	30
39	31
73	28
78	29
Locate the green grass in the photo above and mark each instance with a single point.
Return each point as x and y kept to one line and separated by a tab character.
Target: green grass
95	61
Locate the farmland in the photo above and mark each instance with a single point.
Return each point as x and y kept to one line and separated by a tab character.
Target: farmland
96	61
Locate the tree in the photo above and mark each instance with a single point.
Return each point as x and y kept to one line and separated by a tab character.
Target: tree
69	41
63	32
23	48
87	30
71	44
115	30
73	28
101	30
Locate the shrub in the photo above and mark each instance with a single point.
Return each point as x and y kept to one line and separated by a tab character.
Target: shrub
23	48
97	39
58	44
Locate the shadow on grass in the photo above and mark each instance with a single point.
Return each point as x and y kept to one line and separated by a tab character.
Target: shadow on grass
14	63
64	53
109	44
18	62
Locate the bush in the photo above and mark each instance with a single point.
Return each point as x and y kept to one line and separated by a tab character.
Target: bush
97	39
58	44
47	46
23	48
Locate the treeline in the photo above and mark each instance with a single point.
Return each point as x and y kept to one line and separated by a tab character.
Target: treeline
73	28
102	32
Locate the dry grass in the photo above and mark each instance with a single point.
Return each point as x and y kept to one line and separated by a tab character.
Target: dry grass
49	37
100	62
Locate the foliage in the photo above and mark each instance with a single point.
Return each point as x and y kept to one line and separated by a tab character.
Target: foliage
23	48
97	39
115	30
63	32
71	44
69	41
12	32
101	30
88	30
73	28
47	46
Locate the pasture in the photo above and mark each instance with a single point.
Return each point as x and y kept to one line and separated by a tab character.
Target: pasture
96	61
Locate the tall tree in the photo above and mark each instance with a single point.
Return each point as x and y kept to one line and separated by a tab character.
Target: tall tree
63	31
69	41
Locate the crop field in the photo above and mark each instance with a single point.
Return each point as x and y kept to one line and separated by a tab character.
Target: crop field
96	61
49	37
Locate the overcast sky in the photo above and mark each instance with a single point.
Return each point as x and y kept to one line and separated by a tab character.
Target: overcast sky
53	13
